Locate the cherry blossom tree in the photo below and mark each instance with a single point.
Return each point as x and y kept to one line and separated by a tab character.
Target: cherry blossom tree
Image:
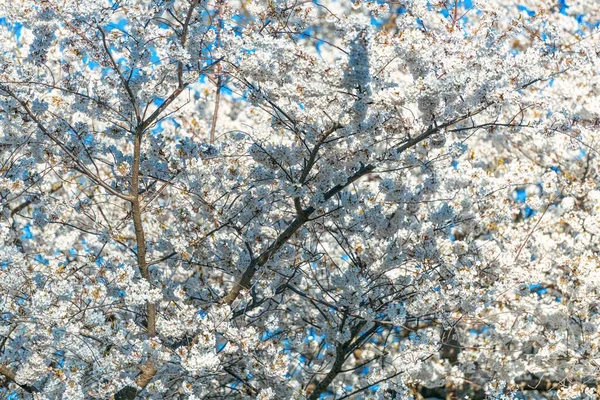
287	199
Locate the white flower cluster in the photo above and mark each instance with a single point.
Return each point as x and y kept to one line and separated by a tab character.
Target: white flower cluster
286	200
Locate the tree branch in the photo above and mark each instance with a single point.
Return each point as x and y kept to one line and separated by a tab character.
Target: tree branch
63	147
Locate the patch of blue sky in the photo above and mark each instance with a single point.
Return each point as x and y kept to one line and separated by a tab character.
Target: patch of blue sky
540	186
41	259
462	5
88	140
318	44
520	195
221	346
154	58
226	91
127	71
105	71
173	121
16	26
120	25
240	19
538	288
313	336
287	346
529	11
13	396
309	33
6	316
563	7
237	31
17	29
269	334
376	22
515	52
60	361
99	261
479	331
27	234
528	212
158	128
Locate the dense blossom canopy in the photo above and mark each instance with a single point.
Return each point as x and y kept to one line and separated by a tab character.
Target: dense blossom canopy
286	199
